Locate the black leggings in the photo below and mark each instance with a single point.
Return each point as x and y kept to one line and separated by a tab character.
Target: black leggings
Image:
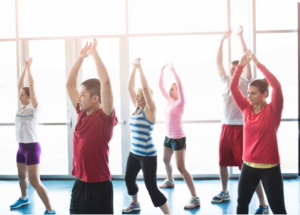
273	185
148	165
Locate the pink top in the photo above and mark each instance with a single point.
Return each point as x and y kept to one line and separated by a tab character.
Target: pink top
174	109
260	129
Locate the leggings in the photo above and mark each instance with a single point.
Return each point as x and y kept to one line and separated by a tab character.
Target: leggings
148	164
273	185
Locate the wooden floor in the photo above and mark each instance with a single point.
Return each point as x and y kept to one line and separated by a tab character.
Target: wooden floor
60	190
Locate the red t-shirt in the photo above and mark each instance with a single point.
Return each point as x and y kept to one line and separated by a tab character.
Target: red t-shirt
260	129
90	145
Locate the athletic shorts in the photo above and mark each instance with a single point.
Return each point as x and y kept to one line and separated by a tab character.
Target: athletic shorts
176	144
29	153
92	198
231	146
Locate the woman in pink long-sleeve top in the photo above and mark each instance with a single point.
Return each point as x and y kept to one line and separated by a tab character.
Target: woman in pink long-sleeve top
261	123
175	140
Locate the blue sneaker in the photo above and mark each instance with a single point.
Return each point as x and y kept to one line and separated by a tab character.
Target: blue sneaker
48	212
262	210
20	202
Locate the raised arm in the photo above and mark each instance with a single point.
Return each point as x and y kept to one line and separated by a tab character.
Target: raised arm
219	61
237	95
21	80
179	85
107	102
161	84
247	71
277	96
146	90
72	78
131	85
33	97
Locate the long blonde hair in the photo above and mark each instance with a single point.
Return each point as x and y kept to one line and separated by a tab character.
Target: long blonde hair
140	92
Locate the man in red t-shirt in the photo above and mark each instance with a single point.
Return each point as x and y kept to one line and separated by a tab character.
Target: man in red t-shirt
92	192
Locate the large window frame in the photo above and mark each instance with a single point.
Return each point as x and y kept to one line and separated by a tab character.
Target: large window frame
73	46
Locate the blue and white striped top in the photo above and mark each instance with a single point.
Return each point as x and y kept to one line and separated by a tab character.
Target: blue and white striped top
141	140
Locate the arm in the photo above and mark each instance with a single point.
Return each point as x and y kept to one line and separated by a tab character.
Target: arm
21	80
277	96
247	71
33	97
131	86
179	85
219	61
72	78
146	90
161	84
106	91
237	95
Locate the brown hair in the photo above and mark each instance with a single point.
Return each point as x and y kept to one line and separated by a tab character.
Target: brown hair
261	84
235	62
27	92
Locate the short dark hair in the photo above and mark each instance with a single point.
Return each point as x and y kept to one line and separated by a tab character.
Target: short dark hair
261	84
235	62
93	86
27	92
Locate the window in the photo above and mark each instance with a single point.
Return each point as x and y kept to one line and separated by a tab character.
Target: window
176	16
274	19
7	19
48	71
70	18
281	59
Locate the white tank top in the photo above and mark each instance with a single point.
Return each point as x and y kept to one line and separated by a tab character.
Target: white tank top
27	124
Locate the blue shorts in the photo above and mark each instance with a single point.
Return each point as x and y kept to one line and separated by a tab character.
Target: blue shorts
175	144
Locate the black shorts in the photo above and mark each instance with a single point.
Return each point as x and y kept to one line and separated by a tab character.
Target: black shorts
175	144
92	198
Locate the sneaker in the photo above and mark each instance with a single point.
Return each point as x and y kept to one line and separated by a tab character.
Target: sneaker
48	212
20	202
262	210
192	203
167	183
221	197
131	207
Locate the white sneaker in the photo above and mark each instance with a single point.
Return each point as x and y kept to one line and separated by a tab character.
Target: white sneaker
131	207
192	203
167	183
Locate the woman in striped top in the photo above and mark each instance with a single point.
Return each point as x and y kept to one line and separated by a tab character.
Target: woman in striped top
142	153
261	123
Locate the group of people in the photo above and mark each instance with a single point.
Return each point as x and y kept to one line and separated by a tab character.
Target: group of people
248	138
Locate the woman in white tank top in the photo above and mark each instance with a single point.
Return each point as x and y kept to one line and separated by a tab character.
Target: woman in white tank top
28	155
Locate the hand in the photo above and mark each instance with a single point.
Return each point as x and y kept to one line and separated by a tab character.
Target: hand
164	66
84	53
93	48
28	63
171	66
136	63
253	57
227	34
245	59
240	31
